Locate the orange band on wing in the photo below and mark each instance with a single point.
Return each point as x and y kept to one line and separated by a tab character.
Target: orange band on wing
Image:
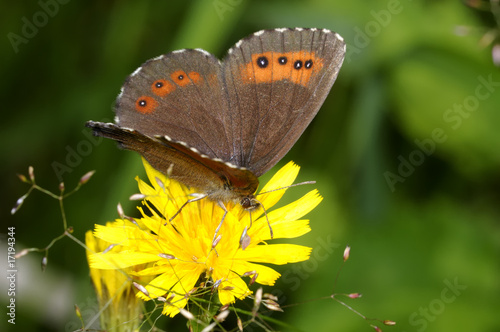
146	104
162	87
195	77
181	78
268	67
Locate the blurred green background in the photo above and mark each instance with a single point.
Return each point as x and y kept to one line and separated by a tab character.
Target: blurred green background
405	151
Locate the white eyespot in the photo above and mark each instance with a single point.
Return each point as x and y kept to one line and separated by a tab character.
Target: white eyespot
195	150
259	33
281	29
168	138
179	51
326	31
238	44
204	156
182	143
314	29
117	119
299	29
218	160
136	72
339	37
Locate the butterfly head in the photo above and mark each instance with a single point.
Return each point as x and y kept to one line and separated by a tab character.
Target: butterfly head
249	202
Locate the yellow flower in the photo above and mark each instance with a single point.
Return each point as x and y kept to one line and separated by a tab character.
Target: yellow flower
120	307
180	251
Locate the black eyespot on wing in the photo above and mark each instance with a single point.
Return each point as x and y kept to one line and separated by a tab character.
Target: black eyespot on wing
262	62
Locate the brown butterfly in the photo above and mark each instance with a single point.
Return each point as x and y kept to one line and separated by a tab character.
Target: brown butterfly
217	126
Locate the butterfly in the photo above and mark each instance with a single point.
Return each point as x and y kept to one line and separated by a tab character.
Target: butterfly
217	126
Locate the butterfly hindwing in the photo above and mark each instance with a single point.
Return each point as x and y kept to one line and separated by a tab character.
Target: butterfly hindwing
277	80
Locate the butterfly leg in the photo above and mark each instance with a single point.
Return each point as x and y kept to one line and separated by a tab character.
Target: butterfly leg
196	198
223	217
216	238
244	239
265	213
268	223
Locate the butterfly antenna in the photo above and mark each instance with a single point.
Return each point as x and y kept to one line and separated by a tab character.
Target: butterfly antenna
292	185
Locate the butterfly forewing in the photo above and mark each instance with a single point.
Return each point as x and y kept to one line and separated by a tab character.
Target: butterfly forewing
184	164
183	96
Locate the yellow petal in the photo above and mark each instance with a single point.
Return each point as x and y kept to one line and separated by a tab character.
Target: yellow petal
265	274
231	287
120	260
283	178
296	209
178	282
95	274
115	233
159	286
284	220
172	308
275	253
290	230
157	269
153	174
